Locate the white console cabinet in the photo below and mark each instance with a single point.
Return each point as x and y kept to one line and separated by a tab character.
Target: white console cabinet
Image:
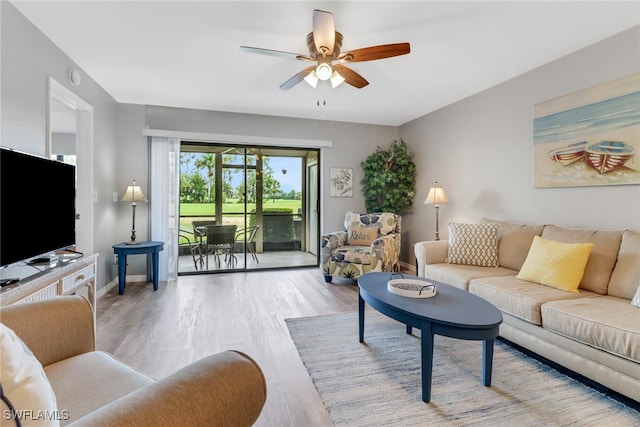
62	278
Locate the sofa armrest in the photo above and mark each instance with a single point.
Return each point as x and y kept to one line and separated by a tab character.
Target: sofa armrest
53	329
225	389
429	252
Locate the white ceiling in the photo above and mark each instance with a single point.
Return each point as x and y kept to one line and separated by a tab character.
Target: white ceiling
186	54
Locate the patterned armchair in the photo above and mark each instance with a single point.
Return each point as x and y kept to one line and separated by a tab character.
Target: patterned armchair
369	242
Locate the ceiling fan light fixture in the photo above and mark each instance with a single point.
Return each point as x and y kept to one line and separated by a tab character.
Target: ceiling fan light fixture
324	71
336	79
312	79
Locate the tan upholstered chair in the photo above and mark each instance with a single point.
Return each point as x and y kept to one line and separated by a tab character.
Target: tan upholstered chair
92	388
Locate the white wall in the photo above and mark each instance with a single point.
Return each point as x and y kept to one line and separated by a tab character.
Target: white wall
480	149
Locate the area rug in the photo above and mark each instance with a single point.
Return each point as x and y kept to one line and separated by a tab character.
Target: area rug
377	383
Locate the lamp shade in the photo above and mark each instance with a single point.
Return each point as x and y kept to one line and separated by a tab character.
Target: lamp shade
436	195
133	194
312	79
336	79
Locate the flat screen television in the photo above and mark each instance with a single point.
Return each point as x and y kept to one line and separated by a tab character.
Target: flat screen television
37	206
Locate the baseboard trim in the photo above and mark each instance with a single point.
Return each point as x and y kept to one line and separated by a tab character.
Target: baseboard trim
405	266
114	283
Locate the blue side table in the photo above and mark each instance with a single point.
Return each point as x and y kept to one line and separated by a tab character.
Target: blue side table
124	249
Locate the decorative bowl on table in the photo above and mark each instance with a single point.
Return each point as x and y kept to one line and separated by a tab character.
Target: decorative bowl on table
411	288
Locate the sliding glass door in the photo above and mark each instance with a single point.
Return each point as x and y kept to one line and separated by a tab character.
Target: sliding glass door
244	208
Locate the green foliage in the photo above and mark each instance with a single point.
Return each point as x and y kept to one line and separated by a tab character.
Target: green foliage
278	224
389	179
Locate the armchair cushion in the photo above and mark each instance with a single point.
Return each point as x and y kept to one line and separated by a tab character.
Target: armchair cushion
25	387
636	298
357	254
361	235
386	222
100	386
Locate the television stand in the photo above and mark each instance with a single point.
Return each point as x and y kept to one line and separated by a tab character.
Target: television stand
7	282
62	278
43	260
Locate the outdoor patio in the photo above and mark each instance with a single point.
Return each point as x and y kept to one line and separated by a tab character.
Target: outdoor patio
270	259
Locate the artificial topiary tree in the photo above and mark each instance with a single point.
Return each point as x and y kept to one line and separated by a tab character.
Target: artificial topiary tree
389	179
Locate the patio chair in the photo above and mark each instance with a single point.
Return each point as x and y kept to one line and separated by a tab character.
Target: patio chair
246	238
220	239
188	241
199	234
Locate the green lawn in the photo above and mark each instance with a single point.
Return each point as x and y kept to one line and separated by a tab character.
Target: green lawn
232	207
232	211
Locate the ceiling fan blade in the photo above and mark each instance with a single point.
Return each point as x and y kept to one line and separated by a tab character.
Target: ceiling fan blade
278	53
297	78
350	76
324	31
375	52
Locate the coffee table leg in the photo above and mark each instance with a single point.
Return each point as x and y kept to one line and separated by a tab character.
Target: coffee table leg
487	359
361	317
426	344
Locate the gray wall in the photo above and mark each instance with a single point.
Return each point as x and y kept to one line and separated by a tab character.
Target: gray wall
28	60
481	150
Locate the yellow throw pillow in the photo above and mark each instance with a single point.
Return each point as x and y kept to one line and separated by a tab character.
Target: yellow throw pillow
362	236
556	264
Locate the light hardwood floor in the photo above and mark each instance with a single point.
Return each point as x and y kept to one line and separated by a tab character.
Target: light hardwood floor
194	316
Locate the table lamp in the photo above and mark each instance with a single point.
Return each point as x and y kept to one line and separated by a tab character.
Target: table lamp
133	194
435	197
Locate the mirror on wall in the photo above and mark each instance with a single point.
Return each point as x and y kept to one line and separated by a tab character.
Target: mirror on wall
70	139
63	131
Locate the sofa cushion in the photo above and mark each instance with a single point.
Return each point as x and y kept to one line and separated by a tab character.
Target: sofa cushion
473	244
24	383
460	275
602	258
607	323
98	378
520	298
626	274
514	241
361	235
556	264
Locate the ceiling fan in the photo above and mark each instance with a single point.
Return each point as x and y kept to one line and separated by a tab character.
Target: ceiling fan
324	44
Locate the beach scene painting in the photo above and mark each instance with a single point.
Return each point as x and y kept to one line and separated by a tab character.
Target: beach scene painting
591	137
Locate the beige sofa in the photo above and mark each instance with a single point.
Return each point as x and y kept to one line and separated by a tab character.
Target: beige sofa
595	332
92	388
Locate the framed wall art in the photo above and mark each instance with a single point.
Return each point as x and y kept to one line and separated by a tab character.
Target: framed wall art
590	137
341	182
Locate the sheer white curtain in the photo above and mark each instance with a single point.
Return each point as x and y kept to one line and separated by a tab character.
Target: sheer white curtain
165	187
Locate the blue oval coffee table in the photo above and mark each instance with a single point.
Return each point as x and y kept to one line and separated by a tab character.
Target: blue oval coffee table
452	312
